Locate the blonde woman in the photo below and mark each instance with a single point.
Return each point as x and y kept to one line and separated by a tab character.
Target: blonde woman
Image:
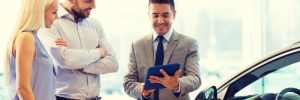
29	69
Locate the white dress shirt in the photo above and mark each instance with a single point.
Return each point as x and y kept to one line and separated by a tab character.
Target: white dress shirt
78	66
167	37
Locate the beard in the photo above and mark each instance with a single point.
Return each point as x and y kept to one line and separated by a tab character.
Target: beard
78	14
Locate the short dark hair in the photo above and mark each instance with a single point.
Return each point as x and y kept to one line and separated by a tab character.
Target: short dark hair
170	2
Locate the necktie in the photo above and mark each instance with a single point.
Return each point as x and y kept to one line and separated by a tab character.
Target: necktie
159	59
159	51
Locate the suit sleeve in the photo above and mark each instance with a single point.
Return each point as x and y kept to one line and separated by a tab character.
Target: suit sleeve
191	81
131	82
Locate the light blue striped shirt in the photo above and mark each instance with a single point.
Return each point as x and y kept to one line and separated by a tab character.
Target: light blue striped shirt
79	66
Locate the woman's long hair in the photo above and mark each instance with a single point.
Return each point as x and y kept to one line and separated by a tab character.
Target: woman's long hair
31	17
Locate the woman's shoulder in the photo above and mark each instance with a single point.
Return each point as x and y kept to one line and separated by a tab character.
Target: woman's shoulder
25	40
25	37
24	43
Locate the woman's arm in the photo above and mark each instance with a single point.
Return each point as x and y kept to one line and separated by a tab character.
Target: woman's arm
24	53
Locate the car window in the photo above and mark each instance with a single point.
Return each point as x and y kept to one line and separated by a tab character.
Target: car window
268	86
277	73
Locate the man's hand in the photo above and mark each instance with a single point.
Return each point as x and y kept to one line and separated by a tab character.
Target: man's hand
170	82
102	52
61	43
146	93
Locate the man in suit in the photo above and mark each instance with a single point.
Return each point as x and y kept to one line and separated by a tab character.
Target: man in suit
163	46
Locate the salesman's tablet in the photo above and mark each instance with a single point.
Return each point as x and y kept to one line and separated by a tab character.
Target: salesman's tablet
169	68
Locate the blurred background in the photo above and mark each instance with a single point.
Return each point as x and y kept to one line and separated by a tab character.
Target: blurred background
232	34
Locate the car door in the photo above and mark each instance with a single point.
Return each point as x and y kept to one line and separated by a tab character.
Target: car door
265	80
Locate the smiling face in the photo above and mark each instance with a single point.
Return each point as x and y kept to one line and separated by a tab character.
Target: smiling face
82	8
162	17
51	14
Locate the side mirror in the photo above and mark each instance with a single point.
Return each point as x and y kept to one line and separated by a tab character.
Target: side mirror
208	94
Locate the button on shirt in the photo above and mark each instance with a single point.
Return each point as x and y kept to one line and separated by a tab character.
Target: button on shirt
78	66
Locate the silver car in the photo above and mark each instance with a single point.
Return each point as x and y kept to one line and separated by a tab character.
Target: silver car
276	77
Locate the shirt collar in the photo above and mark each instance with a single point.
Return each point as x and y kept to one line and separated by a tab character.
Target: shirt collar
167	36
62	12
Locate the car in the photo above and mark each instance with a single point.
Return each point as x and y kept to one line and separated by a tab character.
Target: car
275	77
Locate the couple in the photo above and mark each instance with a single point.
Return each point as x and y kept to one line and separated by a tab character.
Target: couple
80	52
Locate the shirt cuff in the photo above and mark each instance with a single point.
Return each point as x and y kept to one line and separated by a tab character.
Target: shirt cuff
146	97
177	90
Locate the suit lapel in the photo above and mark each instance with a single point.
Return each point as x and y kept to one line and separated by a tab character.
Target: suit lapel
171	46
149	50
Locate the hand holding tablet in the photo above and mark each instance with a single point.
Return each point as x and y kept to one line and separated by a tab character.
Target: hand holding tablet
170	69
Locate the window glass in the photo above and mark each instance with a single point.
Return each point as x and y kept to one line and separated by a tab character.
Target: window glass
273	83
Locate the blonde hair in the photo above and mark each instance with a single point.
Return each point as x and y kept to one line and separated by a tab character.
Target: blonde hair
31	17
